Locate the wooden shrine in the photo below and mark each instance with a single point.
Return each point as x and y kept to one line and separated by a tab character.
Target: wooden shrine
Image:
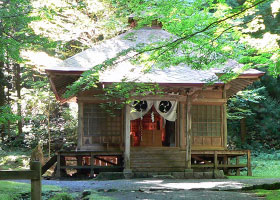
186	128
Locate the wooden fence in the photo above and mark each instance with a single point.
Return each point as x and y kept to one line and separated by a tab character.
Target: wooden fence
222	160
34	174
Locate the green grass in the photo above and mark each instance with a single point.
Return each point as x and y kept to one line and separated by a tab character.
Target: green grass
263	166
94	195
12	190
62	196
268	194
245	177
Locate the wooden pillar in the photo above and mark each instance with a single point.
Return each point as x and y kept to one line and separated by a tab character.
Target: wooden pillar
225	162
91	164
249	169
58	162
225	118
182	121
127	140
80	124
215	160
237	169
36	184
189	134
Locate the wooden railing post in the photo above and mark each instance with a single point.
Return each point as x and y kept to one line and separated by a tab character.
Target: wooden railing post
91	164
189	135
36	183
237	169
249	169
58	170
34	174
215	160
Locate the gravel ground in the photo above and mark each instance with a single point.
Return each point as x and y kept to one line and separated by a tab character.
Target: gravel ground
161	189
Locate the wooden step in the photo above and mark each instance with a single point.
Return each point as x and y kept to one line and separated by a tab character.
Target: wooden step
167	169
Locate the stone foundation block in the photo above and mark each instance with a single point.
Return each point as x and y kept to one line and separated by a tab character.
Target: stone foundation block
219	174
188	175
152	174
178	175
198	175
127	173
140	174
208	175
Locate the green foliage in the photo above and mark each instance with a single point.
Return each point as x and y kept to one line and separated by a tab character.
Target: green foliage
239	105
16	35
17	160
208	33
6	115
264	165
262	115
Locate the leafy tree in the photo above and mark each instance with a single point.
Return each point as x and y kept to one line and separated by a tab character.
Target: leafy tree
208	34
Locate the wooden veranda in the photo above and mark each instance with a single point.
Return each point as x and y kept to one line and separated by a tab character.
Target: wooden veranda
148	160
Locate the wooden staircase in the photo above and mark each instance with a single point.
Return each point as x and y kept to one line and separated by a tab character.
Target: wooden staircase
157	159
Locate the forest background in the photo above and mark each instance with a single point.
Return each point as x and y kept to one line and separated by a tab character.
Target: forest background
36	34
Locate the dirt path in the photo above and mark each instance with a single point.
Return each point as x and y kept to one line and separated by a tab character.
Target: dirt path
162	189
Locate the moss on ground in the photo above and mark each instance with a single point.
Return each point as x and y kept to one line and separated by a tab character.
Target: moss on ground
95	195
12	190
268	194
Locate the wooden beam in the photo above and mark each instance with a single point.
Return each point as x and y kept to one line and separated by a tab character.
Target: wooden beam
91	164
225	119
215	160
20	175
182	121
240	83
165	97
237	163
247	81
200	100
189	134
127	139
249	168
80	124
36	183
58	165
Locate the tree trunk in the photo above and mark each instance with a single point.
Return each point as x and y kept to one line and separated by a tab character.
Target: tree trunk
243	130
49	131
8	128
2	96
18	89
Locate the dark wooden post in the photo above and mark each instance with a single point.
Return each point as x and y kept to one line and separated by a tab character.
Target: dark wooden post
91	164
182	114
225	162
80	124
225	117
237	169
36	183
249	169
58	170
215	160
189	135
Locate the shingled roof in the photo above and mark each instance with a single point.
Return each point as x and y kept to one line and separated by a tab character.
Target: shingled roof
181	74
